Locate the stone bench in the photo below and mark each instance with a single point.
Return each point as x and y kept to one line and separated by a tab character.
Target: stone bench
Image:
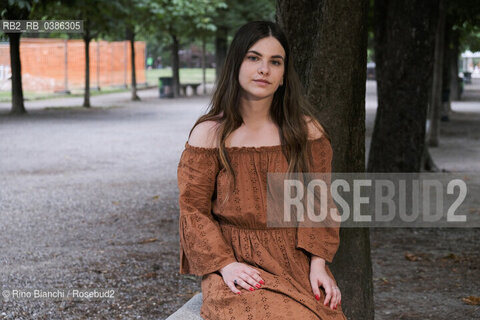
190	310
184	86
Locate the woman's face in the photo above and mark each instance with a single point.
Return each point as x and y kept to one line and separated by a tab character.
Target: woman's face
262	69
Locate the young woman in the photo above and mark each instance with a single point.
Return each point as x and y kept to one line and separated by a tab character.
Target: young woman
259	121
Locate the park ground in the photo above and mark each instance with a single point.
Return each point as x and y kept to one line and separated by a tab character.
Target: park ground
88	199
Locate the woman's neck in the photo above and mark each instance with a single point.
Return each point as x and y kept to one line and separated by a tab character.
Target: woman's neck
255	113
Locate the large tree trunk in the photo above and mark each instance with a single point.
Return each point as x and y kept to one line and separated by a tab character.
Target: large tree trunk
86	96
330	52
131	39
220	49
404	50
446	76
436	106
16	66
175	66
454	54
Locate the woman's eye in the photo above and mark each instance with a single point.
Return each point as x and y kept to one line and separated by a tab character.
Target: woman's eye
252	58
276	63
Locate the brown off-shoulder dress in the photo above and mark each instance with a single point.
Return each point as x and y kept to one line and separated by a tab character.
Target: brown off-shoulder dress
214	234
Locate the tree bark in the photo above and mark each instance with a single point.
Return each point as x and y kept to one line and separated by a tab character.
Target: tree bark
446	76
220	49
65	67
12	12
404	50
97	74
175	66
329	49
131	39
454	54
86	39
204	66
16	66
436	106
427	162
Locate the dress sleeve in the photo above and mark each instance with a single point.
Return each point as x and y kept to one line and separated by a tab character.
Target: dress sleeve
203	249
322	241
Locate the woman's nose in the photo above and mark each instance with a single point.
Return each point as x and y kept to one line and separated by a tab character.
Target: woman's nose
263	68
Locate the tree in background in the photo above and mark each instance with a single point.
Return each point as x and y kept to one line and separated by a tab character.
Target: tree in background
329	48
404	51
463	36
415	76
462	33
126	19
178	18
93	13
112	20
16	10
455	18
435	105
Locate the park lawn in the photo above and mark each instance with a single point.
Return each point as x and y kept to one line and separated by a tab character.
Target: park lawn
6	96
187	75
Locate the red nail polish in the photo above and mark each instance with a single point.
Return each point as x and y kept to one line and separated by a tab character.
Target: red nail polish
317	297
257	285
251	289
261	282
238	292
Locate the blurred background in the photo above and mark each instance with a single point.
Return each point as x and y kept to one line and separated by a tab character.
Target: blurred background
92	126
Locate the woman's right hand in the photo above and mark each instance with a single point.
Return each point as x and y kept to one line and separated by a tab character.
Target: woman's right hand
246	276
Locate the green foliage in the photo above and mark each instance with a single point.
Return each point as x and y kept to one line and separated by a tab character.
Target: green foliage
188	21
186	17
465	17
16	9
470	39
240	12
187	75
132	15
92	12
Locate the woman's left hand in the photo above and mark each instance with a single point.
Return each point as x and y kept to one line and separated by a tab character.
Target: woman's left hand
320	278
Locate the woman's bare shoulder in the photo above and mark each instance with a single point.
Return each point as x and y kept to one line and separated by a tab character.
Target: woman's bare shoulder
315	129
204	135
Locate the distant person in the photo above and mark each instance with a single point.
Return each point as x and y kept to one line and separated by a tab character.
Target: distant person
149	62
259	121
158	62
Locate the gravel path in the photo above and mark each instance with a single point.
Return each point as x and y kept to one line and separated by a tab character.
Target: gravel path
88	199
80	191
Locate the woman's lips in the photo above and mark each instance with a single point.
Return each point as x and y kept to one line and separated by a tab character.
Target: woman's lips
262	82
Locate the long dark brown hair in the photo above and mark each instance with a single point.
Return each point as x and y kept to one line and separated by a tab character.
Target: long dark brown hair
289	106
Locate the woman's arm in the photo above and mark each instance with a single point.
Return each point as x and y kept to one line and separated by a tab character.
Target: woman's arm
321	241
203	249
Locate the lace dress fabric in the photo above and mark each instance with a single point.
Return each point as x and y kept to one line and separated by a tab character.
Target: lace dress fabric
214	233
